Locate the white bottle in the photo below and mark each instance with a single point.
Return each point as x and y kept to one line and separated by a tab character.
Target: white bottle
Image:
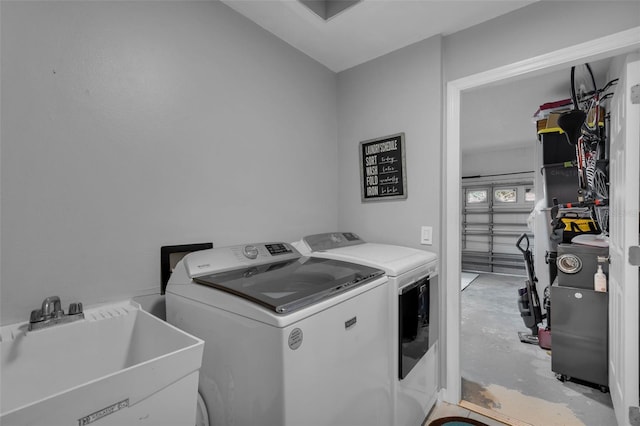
600	280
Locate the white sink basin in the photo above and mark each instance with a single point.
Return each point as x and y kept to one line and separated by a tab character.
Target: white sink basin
119	366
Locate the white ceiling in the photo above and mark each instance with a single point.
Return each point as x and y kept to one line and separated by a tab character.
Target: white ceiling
369	29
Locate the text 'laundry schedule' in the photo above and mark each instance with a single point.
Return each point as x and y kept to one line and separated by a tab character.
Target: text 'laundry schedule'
382	168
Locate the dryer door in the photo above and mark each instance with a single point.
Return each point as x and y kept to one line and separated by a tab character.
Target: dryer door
413	312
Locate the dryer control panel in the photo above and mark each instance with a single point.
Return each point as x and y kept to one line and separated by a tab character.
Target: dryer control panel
331	240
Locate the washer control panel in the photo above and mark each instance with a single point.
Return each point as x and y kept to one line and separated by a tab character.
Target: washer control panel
250	251
227	258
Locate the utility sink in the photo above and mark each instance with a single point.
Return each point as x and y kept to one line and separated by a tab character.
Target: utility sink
120	365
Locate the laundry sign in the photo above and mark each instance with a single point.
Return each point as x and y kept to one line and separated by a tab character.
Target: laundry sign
382	168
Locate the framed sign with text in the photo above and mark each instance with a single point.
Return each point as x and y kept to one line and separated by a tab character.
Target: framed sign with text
382	168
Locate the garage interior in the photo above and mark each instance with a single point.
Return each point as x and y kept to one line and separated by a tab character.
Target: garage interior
505	195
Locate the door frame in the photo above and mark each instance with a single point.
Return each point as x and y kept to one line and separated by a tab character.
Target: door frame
611	45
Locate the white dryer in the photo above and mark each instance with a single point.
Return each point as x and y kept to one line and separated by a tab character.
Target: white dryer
289	340
413	286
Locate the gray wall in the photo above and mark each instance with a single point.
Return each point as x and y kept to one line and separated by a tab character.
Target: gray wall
539	28
498	161
398	92
131	125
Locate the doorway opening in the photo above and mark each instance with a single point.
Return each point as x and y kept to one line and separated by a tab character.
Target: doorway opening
616	44
500	204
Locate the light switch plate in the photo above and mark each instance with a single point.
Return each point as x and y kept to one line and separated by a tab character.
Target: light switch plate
426	235
634	255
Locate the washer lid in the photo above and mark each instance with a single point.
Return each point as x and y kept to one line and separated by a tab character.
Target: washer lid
291	284
394	260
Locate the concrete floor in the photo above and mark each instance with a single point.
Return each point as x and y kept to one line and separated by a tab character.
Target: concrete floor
513	380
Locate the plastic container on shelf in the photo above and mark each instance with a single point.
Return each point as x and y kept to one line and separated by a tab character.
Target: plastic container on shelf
555	146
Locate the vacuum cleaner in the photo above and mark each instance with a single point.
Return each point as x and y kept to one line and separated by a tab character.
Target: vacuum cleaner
529	302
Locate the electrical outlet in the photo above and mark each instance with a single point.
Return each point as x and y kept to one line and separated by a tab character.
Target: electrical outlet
426	235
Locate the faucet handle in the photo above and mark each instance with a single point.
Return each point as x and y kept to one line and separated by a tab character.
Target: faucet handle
75	308
36	315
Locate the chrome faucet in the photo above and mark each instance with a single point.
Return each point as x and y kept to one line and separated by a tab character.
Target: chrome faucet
51	313
51	307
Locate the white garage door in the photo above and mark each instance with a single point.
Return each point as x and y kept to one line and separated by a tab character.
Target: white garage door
495	212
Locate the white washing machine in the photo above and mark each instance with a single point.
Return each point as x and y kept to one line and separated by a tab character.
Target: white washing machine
289	340
413	286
